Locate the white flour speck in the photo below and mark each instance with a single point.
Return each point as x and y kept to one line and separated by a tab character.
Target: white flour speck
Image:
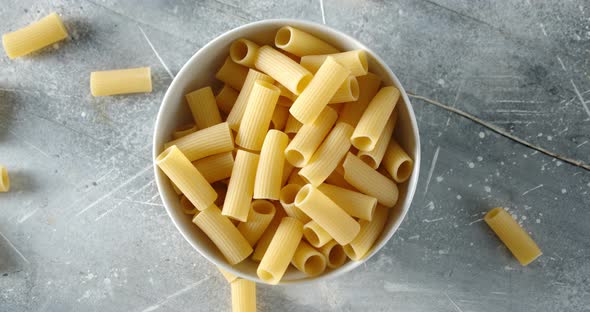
471	165
487	189
400	12
479	158
459	197
563	191
441	82
470	185
439	179
538	220
83	114
515	216
523	217
549	138
482	135
470	244
540	134
502	163
559	163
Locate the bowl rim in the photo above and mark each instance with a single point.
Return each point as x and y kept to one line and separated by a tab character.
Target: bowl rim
412	182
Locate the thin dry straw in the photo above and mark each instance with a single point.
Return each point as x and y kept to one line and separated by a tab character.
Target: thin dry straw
502	132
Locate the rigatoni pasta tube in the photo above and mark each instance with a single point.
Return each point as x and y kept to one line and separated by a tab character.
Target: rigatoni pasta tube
267	236
374	157
283	69
397	162
243	295
186	177
270	169
334	254
184	131
256	119
261	214
4	180
337	178
375	118
35	36
315	234
282	247
293	125
203	107
310	103
347	92
518	241
370	231
232	74
287	169
121	81
206	142
244	52
325	212
356	204
224	234
229	277
368	86
279	117
327	157
215	167
308	260
241	186
287	200
301	43
226	98
355	61
309	137
369	181
286	94
237	112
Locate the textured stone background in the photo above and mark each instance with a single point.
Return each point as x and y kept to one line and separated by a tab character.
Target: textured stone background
84	229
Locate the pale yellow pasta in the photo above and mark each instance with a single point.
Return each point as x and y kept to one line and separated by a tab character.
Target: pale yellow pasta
186	177
35	36
337	178
309	137
279	117
229	277
184	131
368	86
270	169
261	214
308	260
315	235
374	119
295	178
356	204
327	214
257	116
187	206
203	107
293	125
347	92
287	170
4	179
334	253
236	115
327	157
285	93
369	181
397	162
355	61
370	231
206	142
287	199
518	241
374	157
226	98
215	167
244	52
279	253
267	236
121	81
243	296
223	234
241	186
300	43
310	103
232	74
283	69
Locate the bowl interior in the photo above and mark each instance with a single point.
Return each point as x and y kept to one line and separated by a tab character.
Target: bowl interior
200	70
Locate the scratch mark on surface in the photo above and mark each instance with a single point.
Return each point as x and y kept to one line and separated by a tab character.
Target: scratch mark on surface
156	52
543	29
432	166
453	302
29	144
107	195
139	202
580	145
499	293
517	111
27	216
142	188
478	220
175	294
433	220
104	176
534	188
561	63
564	130
580	98
517	101
323	12
14	247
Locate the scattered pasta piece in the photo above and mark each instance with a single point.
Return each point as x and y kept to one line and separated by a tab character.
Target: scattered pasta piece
121	81
4	180
35	36
243	295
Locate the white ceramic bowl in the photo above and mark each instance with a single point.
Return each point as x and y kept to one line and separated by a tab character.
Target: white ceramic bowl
200	70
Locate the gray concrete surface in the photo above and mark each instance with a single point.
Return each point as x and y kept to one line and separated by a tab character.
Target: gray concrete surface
84	229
